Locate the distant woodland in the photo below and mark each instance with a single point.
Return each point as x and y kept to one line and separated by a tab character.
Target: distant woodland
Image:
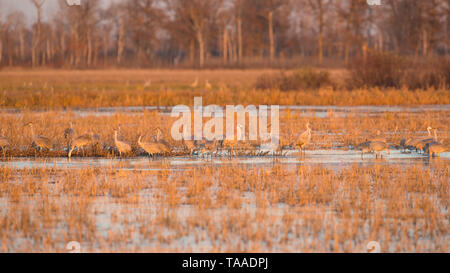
223	33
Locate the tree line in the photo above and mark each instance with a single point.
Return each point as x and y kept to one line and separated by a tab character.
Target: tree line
222	33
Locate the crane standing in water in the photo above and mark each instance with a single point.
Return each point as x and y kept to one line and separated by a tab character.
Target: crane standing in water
4	141
304	139
434	147
121	146
40	142
69	134
81	142
153	148
374	146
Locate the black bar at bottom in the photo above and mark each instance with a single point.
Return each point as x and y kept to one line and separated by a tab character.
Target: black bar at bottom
226	262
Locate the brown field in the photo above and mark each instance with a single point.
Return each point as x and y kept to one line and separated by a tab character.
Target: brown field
208	207
101	88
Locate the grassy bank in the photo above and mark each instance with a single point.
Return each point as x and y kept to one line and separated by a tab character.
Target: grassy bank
50	89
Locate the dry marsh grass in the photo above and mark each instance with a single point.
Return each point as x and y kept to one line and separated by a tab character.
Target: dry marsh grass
214	207
334	130
72	89
227	208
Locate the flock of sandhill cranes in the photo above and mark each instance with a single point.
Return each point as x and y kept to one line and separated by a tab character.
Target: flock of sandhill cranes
195	84
427	144
159	146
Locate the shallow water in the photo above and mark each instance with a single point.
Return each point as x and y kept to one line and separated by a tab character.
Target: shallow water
332	158
306	110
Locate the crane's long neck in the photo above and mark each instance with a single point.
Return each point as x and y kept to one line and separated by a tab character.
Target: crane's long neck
115	136
429	131
240	134
32	132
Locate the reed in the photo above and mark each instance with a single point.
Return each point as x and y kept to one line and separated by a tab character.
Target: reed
75	89
226	208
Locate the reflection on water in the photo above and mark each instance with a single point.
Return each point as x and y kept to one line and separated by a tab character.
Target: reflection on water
323	157
332	158
320	111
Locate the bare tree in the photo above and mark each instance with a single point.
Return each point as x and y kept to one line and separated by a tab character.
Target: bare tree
320	8
194	17
272	6
250	32
37	37
143	18
3	32
238	14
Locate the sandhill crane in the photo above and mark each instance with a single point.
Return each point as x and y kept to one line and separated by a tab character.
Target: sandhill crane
284	144
410	143
68	134
406	144
240	137
159	137
95	142
245	142
415	141
121	146
80	142
285	141
195	83
304	139
40	142
95	139
189	145
435	148
374	146
231	144
211	146
165	149
3	143
271	147
153	148
207	85
421	144
164	145
147	83
378	137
